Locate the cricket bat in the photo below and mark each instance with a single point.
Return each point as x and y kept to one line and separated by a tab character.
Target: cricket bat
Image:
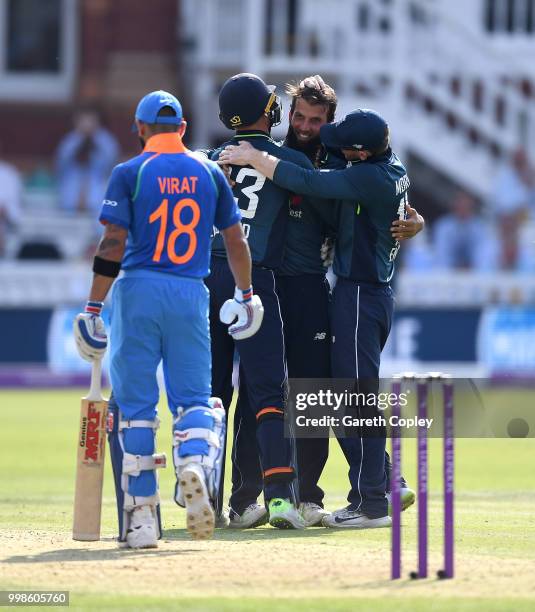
90	461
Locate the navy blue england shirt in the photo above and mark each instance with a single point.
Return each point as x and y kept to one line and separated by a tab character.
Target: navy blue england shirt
263	204
372	194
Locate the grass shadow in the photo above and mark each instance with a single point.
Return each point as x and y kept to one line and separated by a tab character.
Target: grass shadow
76	555
258	534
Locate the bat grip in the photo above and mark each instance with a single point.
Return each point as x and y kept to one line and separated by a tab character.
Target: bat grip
95	392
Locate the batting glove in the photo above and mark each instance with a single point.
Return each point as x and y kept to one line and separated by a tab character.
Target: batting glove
90	333
249	311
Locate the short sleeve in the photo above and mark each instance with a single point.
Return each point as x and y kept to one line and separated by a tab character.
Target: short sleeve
227	211
116	206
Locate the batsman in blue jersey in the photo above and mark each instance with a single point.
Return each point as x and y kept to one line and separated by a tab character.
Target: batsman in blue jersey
159	211
372	191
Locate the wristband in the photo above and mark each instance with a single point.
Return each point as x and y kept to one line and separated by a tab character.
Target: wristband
94	308
243	296
105	267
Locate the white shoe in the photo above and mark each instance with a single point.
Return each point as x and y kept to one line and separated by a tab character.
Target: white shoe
222	520
408	496
200	519
284	515
253	516
353	518
312	513
142	530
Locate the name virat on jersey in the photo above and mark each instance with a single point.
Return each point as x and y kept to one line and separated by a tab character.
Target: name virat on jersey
171	185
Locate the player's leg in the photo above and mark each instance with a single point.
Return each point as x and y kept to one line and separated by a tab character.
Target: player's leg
135	354
263	361
361	318
305	312
245	511
199	422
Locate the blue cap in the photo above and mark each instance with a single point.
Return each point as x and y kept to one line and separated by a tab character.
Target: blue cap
361	129
149	107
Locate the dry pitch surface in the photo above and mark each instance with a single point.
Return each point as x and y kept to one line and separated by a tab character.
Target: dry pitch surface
263	568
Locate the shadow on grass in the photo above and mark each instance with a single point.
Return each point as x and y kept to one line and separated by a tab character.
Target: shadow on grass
76	555
255	535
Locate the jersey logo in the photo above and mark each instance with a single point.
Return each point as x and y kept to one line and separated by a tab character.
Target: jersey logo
109	203
320	336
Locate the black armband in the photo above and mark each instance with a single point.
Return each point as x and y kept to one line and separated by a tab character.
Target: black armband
105	267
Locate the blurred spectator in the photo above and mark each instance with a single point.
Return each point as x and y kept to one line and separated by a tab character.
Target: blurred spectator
513	191
513	201
85	158
10	201
417	254
462	239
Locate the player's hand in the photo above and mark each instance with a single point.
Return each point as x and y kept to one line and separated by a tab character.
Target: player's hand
236	155
403	229
327	252
203	155
226	171
249	311
90	333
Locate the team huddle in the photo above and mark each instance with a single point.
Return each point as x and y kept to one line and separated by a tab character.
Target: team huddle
224	253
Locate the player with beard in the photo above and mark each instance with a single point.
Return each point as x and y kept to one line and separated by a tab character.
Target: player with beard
301	282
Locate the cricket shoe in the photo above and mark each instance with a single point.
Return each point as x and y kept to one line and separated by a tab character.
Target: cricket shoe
253	516
348	518
408	497
222	520
200	517
142	529
312	513
284	515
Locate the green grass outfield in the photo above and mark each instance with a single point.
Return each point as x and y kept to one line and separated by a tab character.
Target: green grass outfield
262	569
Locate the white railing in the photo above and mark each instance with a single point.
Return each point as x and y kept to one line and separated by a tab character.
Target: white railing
34	284
458	289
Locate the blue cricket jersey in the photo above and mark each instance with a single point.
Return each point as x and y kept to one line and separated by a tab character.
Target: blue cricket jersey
169	201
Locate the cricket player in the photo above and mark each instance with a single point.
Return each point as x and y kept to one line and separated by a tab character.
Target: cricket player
304	296
250	107
159	211
373	193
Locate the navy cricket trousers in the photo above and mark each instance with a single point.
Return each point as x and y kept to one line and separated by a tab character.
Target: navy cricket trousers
305	312
360	324
304	303
263	368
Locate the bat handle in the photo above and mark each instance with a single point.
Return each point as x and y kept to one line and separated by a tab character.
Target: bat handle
95	392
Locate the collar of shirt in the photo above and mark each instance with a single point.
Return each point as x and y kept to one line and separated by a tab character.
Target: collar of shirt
251	134
165	143
382	156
